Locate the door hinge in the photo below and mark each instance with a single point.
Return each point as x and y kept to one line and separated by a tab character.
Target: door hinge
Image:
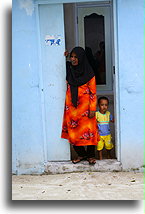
114	69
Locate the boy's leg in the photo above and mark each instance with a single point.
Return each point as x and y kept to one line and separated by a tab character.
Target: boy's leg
100	147
108	145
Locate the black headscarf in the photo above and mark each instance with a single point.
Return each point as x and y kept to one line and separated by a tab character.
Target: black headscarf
78	75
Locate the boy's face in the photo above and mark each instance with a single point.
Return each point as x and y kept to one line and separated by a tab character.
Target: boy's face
103	106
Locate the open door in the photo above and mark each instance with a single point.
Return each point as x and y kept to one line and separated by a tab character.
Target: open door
52	62
94	26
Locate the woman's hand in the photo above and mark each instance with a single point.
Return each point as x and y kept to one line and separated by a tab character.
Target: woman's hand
91	114
66	53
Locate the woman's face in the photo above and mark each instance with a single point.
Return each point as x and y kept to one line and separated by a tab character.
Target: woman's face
74	59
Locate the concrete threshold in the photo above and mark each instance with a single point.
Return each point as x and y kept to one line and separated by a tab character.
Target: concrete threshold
107	165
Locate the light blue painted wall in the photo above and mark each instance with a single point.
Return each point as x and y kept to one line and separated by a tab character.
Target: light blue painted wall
130	52
65	1
27	136
30	146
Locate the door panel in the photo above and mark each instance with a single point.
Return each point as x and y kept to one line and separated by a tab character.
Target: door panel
53	71
83	13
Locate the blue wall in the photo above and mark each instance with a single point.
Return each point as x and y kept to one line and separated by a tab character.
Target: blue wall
30	146
131	82
27	128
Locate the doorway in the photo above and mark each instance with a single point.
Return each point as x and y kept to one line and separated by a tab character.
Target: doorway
91	28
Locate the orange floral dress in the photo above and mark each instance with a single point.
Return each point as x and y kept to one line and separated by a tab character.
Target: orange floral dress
77	127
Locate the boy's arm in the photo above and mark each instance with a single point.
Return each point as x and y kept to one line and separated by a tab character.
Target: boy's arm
111	118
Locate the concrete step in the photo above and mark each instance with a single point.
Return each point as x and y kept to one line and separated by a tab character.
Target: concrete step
106	165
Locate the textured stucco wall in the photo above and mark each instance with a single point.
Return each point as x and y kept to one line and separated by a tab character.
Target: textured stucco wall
130	52
26	109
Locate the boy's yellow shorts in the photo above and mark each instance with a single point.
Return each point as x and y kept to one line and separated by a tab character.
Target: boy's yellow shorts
105	141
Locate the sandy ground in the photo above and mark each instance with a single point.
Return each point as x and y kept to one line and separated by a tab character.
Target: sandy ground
79	186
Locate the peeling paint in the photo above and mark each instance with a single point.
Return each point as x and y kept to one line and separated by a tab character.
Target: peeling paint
132	89
133	84
28	5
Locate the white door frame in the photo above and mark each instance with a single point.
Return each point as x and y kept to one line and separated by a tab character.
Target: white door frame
116	80
115	63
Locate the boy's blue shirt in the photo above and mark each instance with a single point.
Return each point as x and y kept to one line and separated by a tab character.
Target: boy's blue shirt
103	121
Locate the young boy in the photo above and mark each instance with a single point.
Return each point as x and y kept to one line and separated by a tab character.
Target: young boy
104	117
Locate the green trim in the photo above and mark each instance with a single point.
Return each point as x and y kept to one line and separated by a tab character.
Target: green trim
103	122
144	104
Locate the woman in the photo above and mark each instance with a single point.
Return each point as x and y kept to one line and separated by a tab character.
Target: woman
79	123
